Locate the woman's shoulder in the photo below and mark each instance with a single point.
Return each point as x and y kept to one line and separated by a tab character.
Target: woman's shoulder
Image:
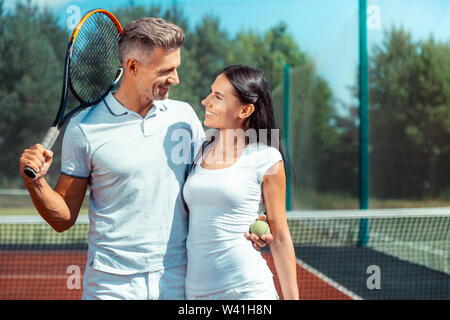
261	148
262	155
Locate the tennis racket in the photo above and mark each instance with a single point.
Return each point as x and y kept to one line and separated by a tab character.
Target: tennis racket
91	68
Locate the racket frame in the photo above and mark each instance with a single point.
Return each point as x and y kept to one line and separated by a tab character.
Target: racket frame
60	119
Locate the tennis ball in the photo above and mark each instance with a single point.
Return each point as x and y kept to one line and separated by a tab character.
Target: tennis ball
259	228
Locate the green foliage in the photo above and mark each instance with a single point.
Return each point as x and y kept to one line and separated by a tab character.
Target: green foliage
269	52
409	99
322	152
28	82
410	112
32	55
130	13
208	46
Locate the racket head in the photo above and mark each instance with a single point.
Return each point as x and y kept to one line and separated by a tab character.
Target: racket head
94	66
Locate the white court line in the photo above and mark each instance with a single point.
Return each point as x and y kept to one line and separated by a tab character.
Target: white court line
329	281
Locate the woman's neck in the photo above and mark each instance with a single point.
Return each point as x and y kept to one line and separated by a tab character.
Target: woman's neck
230	144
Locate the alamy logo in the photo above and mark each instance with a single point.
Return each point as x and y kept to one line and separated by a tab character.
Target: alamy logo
74	16
374	280
373	17
74	280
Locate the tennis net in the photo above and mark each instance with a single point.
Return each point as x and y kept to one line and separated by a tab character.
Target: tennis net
350	254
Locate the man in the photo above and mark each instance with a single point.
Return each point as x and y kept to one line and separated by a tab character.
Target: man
123	148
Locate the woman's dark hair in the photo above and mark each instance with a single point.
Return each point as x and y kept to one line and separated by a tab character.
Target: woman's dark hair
250	86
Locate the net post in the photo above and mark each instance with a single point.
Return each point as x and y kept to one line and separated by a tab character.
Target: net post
287	102
363	123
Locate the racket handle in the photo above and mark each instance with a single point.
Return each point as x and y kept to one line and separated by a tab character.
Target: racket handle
50	138
30	173
48	141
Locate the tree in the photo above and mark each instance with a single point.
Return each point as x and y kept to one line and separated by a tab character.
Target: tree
32	53
208	46
410	112
132	12
269	52
320	153
429	125
29	83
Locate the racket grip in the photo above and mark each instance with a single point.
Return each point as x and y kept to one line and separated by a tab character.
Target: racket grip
48	141
30	173
50	138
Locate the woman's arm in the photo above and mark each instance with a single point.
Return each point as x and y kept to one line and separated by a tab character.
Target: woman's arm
281	247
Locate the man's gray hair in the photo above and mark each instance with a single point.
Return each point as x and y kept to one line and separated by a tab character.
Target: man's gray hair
145	34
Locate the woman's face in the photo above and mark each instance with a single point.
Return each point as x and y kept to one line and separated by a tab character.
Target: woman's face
222	107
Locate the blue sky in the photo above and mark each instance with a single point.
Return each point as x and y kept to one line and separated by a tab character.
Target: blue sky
327	30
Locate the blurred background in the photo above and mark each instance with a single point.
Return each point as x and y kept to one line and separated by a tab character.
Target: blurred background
409	85
309	52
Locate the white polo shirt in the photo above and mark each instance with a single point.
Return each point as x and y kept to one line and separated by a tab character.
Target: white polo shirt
136	168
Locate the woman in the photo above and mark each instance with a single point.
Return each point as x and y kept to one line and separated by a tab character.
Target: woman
224	191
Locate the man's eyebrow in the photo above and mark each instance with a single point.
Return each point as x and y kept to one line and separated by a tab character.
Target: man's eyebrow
166	70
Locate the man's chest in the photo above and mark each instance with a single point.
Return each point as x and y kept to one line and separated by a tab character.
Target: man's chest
129	151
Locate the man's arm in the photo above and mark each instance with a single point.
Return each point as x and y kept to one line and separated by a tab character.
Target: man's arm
59	207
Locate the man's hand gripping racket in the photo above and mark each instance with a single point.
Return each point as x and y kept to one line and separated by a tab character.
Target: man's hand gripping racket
91	70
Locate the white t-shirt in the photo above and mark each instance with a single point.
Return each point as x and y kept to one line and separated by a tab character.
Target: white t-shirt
222	204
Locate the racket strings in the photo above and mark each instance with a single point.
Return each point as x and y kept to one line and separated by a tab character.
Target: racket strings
99	32
111	57
95	58
91	31
97	54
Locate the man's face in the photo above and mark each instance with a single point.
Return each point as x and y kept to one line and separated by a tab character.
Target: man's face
158	73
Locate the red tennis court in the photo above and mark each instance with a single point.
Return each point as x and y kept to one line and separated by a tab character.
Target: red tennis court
43	275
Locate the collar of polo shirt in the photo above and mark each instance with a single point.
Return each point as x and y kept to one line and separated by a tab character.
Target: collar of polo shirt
117	109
